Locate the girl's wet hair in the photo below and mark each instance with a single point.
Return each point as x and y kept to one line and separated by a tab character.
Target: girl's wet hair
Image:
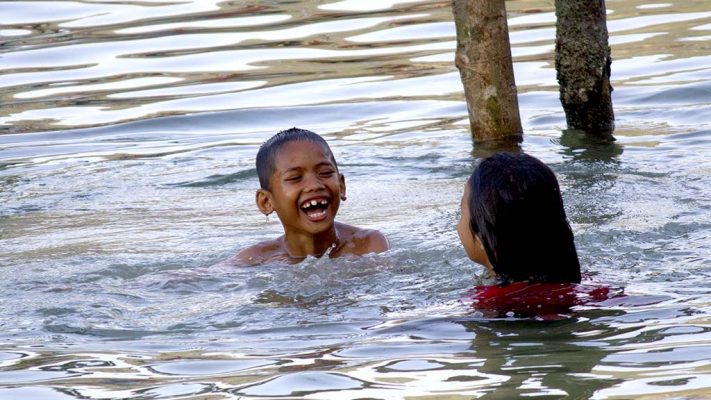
269	149
517	211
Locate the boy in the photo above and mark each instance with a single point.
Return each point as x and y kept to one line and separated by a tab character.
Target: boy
299	180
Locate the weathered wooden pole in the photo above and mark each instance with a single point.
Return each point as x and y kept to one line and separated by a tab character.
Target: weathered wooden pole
484	61
582	62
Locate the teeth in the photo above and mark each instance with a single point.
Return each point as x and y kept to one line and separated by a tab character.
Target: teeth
311	203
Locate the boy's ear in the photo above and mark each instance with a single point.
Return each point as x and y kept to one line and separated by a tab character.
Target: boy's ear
264	201
342	181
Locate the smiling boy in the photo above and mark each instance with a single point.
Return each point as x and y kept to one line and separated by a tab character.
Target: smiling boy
300	181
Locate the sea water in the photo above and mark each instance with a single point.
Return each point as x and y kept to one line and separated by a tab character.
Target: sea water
129	131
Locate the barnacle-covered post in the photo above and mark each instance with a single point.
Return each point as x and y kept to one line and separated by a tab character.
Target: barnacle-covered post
483	58
582	61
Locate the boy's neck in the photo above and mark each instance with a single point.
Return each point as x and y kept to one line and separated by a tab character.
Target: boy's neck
303	245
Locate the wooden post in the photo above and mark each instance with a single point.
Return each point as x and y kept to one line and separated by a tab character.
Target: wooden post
582	62
484	61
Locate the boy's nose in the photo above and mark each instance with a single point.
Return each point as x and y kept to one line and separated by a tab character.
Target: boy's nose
313	182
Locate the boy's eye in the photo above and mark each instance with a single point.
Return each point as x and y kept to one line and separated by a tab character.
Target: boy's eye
327	173
293	178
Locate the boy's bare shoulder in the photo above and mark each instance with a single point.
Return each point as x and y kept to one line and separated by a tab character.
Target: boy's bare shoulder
258	253
359	241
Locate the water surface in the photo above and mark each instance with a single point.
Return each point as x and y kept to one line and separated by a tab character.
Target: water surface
126	173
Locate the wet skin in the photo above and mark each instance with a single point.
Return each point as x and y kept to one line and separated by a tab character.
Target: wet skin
471	242
306	192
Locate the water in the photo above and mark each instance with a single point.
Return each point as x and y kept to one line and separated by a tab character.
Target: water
129	135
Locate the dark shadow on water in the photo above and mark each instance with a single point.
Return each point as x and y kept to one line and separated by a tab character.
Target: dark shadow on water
585	147
219	179
590	171
575	143
555	355
485	149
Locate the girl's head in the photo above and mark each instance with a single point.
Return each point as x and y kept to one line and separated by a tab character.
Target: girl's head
514	223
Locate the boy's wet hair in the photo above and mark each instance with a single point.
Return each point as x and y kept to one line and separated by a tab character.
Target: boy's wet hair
269	149
517	211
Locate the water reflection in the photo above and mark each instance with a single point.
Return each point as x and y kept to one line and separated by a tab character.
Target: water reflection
590	173
131	171
579	146
485	149
542	358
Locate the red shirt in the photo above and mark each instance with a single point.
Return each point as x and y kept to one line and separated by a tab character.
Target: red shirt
543	300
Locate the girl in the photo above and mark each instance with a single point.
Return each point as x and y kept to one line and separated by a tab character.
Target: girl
513	223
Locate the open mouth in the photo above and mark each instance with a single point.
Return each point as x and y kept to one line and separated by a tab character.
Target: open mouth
315	209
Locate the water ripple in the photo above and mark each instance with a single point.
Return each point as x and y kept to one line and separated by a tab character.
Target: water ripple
127	140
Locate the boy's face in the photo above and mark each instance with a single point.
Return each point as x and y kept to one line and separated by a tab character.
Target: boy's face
306	188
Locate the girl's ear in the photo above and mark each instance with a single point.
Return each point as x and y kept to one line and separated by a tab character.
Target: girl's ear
342	182
264	201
